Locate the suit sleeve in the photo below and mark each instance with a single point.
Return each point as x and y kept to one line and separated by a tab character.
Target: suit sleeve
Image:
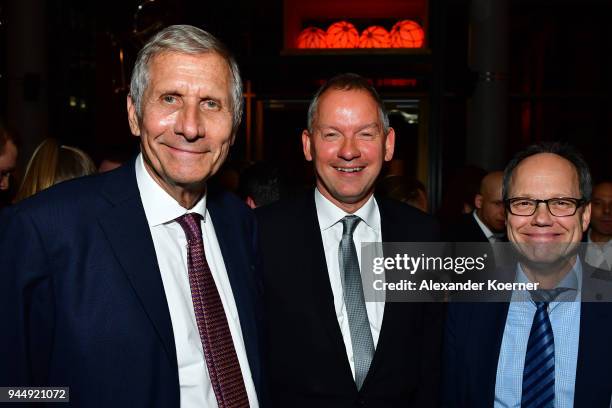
431	351
26	302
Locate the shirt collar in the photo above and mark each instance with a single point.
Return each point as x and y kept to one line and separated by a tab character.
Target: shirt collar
483	227
570	281
159	206
598	245
329	214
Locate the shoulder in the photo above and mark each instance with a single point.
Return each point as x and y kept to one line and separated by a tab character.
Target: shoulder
69	197
403	217
286	209
229	211
224	201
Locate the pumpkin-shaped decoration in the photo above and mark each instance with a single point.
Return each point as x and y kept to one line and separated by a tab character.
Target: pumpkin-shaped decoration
407	34
375	37
312	37
342	35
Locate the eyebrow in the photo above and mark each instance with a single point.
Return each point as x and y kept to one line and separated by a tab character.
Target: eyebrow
368	126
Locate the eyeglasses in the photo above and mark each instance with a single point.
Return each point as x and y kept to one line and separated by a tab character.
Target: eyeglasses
559	207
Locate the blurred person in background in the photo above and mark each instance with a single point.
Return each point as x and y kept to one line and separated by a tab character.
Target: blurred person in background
260	184
486	223
53	163
458	197
599	236
114	156
405	189
8	163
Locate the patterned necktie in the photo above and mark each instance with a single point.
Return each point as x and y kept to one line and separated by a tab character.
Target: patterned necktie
539	371
221	360
361	336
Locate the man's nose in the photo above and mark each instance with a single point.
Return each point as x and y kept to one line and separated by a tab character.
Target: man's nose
188	122
4	182
349	149
542	215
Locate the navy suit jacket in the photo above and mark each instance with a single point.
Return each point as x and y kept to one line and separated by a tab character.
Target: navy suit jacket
81	297
474	333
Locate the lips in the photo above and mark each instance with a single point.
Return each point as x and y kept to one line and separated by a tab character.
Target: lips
181	150
349	169
543	237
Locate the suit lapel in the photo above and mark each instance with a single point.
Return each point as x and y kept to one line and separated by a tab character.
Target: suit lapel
489	318
127	231
240	272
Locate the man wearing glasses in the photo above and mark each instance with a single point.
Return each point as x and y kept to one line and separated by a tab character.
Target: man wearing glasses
542	352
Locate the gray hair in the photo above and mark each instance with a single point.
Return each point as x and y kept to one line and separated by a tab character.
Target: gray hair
348	82
184	39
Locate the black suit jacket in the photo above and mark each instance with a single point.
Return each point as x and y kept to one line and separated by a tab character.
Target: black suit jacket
308	366
465	229
474	333
81	296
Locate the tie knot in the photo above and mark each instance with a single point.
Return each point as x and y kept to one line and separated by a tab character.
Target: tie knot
546	295
349	223
190	223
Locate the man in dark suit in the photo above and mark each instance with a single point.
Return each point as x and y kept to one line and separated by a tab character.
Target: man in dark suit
487	222
551	348
139	287
326	346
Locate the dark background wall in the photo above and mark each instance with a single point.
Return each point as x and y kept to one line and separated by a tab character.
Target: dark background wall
62	76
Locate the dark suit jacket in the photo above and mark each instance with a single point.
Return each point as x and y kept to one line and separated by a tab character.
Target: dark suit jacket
474	333
465	229
81	296
307	360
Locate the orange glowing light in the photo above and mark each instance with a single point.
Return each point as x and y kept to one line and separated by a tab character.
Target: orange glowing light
375	37
342	34
312	37
407	34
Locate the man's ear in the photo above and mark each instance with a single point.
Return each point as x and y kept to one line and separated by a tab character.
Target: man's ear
478	201
306	142
250	202
132	116
586	217
389	144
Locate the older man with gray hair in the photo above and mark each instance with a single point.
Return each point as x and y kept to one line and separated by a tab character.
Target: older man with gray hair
139	287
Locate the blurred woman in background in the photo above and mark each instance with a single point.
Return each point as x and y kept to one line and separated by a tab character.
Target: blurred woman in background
52	163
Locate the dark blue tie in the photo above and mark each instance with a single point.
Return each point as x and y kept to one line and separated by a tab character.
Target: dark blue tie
539	371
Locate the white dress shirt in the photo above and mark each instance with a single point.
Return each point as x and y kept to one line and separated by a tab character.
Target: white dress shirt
171	252
598	255
368	230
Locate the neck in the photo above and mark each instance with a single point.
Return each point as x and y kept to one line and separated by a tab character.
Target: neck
599	238
548	275
350	208
186	195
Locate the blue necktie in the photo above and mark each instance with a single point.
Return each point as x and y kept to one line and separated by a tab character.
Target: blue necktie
539	371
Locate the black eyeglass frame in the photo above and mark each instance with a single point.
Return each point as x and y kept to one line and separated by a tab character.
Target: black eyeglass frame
578	202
